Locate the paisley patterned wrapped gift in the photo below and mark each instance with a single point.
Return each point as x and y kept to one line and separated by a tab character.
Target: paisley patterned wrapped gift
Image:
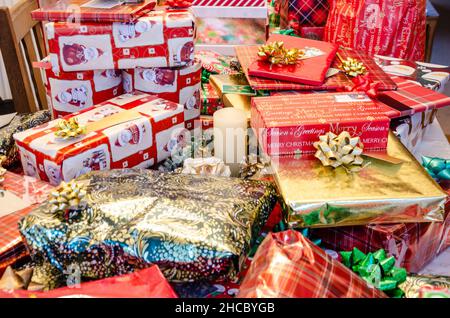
193	227
21	122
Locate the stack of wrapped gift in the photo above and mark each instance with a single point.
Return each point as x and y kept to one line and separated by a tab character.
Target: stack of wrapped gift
115	49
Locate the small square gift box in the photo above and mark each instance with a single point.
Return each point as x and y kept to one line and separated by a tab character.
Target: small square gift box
388	187
178	85
291	124
136	130
93	11
193	227
157	39
70	92
222	25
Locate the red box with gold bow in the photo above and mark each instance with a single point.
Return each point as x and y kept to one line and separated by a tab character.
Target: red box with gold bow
131	130
157	39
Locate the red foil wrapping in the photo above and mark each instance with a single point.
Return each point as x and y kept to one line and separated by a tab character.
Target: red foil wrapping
146	283
288	265
158	39
387	27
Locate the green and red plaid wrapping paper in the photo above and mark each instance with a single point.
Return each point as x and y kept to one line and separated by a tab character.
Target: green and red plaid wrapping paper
287	264
411	98
210	100
247	54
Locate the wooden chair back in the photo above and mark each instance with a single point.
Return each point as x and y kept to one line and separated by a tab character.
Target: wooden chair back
21	44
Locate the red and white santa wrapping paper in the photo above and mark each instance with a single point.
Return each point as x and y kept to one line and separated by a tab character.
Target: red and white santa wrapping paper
157	39
140	131
179	85
287	125
69	92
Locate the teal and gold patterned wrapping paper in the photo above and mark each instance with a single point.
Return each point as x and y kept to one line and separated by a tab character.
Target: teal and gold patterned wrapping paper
193	227
382	192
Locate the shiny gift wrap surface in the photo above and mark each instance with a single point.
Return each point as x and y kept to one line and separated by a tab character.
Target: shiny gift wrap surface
319	196
192	227
414	284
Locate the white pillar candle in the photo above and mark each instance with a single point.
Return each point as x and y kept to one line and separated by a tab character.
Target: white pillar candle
230	134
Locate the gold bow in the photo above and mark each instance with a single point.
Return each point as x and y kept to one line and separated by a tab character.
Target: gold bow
276	53
353	67
67	196
69	128
342	150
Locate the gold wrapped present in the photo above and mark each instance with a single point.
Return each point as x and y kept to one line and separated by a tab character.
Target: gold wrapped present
382	192
231	84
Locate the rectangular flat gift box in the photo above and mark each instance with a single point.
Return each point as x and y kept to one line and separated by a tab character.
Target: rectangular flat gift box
157	39
131	130
291	124
79	10
318	196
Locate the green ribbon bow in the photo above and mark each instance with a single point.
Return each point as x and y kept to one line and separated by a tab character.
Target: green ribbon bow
438	168
377	269
289	32
205	76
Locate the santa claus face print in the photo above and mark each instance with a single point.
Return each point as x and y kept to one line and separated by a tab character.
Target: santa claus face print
146	31
53	172
107	79
29	163
70	96
181	51
127	82
97	158
99	113
129	138
190	98
156	80
86	52
171	140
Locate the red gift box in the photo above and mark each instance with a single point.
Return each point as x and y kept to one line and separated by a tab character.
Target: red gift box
246	55
310	71
291	124
69	92
387	27
178	85
210	100
158	39
410	98
128	131
413	245
288	265
32	191
146	283
74	11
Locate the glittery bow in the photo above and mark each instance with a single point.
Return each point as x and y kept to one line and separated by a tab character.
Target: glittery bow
2	170
377	269
276	53
69	128
342	150
364	84
352	67
68	196
438	168
254	166
179	3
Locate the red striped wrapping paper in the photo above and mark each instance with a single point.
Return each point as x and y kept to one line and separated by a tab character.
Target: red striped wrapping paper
229	3
288	265
155	129
158	39
73	11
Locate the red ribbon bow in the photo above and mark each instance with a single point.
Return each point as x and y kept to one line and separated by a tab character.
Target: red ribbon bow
179	3
364	84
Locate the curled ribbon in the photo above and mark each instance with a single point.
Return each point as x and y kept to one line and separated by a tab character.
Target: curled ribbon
352	67
69	128
377	269
438	168
68	196
342	150
276	53
364	84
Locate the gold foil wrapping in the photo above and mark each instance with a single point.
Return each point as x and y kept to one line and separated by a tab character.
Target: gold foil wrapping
415	283
383	192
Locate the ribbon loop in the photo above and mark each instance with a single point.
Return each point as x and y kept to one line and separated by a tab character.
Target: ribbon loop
276	53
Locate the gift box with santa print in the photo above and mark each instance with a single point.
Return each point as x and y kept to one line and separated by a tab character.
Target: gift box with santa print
178	85
69	92
157	39
131	130
291	124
